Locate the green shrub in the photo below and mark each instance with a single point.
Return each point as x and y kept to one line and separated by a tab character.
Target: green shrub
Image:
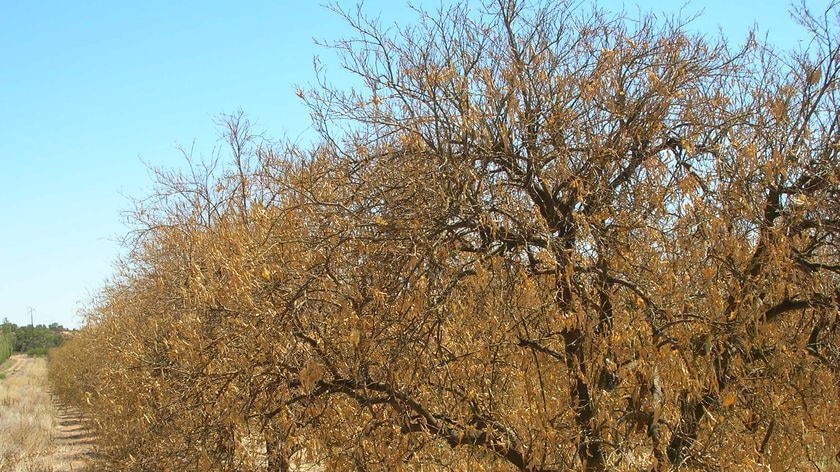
6	346
37	352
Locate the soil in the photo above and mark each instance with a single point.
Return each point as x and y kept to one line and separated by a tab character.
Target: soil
72	442
14	364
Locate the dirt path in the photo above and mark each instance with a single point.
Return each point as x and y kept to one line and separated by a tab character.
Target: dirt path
16	362
72	442
36	434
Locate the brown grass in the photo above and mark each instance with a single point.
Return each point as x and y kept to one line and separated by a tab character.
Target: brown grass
34	435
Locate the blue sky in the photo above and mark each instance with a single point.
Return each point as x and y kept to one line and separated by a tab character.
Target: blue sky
93	91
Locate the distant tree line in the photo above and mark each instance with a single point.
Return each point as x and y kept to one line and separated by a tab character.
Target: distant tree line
30	339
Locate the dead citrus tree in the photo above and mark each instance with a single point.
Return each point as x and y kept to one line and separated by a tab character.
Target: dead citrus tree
537	237
605	244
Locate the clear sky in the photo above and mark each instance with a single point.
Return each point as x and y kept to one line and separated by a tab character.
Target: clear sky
91	91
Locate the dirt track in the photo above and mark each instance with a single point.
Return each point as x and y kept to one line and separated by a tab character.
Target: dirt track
37	433
17	362
72	442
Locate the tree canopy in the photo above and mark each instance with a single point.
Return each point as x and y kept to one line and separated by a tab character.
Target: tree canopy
31	339
537	236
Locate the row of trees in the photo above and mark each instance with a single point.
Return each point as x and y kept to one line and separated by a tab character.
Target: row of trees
537	237
32	339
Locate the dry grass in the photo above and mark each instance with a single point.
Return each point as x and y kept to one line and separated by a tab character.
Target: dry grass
29	422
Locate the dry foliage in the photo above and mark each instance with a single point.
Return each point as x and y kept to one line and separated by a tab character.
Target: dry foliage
536	237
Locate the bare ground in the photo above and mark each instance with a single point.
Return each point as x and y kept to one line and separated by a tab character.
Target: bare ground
36	434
